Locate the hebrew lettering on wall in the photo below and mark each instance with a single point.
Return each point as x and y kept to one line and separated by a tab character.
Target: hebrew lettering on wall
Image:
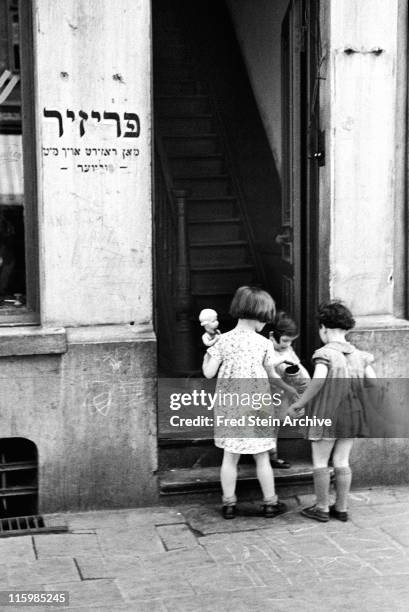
87	159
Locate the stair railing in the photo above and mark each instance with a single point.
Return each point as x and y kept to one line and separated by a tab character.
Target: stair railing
174	303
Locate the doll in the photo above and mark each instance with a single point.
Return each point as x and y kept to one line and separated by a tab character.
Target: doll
208	320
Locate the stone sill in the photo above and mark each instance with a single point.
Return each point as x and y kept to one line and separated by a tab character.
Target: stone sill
32	341
105	334
380	322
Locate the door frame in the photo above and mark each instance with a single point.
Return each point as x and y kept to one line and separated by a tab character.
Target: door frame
303	155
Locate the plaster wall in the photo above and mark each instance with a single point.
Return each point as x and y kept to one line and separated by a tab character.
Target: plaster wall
362	196
258	30
94	160
91	412
363	52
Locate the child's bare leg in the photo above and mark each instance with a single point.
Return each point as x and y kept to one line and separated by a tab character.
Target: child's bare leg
343	474
265	477
321	451
228	477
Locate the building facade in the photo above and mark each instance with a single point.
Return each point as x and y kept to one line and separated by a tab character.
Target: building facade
88	93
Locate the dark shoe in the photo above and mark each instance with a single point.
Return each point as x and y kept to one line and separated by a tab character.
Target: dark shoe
280	464
315	513
341	516
229	512
272	510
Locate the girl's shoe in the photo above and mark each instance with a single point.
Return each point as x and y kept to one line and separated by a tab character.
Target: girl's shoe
341	516
280	464
272	510
315	513
229	512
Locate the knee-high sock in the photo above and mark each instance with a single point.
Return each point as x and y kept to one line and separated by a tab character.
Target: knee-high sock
343	478
321	487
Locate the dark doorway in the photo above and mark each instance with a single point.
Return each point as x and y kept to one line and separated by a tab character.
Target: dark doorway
224	216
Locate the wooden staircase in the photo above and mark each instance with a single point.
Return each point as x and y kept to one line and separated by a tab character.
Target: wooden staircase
220	253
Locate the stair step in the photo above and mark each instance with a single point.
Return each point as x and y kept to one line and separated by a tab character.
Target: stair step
215	230
187	480
186	124
200	186
179	450
211	209
196	166
219	245
189	104
202	144
226	279
221	220
229	253
216	268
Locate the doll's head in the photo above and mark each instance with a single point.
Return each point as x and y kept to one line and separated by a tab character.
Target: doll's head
334	315
208	320
285	331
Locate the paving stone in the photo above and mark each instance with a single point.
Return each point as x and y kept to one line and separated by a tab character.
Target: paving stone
343	566
150	605
387	562
398	532
91	568
208	579
44	570
178	559
176	536
89	593
133	541
65	545
373	496
14	549
369	539
146	588
3	572
156	516
208	520
299	546
233	551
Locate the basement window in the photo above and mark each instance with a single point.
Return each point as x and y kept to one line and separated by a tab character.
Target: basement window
18	477
18	249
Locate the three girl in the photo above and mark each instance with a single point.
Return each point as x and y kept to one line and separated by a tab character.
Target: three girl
335	393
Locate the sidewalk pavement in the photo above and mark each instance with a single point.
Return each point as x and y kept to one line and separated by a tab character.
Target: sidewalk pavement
185	558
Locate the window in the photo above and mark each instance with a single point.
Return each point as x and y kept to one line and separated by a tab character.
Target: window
18	261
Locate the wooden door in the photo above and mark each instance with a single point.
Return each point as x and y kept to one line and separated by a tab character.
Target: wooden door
289	236
301	160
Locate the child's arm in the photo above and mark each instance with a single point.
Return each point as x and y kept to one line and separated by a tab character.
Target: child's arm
210	366
370	372
316	384
279	382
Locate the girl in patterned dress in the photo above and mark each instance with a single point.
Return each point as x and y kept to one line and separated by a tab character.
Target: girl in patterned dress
243	357
337	393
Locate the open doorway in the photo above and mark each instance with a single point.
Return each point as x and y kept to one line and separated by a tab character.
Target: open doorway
235	178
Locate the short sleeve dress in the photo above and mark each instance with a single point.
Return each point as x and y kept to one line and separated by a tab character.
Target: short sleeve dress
342	397
243	355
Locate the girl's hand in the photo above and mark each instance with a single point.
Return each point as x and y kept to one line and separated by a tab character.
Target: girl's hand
292	395
296	410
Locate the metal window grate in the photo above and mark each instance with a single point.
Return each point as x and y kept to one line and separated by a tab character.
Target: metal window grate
27	525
